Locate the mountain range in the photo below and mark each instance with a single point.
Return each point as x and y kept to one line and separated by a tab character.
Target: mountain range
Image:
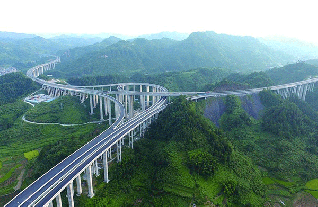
163	52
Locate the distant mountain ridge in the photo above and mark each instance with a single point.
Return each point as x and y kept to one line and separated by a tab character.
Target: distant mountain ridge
171	35
200	49
299	49
15	36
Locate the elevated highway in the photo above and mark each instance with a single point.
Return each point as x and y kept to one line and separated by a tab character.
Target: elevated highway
129	123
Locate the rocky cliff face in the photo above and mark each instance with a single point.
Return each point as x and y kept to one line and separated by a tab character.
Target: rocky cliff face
215	107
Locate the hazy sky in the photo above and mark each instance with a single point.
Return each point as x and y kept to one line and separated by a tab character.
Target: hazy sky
134	17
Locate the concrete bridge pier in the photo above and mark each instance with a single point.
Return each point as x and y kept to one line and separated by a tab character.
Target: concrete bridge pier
131	139
105	106
70	193
140	130
89	181
101	108
50	204
79	185
105	164
58	200
95	168
118	144
109	112
131	106
147	100
91	104
154	98
82	97
95	100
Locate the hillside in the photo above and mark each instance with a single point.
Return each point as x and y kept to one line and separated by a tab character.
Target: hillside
292	73
281	141
200	49
182	160
14	86
22	48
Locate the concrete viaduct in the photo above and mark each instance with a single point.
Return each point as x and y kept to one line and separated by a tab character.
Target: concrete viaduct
115	102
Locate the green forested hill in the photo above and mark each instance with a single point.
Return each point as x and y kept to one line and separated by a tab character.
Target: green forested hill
24	50
21	48
292	73
283	143
14	86
182	159
200	49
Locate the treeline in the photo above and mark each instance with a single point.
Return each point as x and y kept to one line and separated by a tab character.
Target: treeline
14	86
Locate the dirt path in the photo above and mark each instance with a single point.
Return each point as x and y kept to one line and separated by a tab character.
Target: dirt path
18	186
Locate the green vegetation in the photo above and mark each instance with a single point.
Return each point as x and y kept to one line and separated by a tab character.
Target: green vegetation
234	115
292	73
183	159
191	80
282	142
23	51
31	154
200	49
14	86
20	139
63	110
10	112
8	175
312	186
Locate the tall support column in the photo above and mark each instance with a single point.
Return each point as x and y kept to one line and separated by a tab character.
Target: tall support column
83	97
147	88
131	106
142	101
105	163
101	108
109	112
140	130
131	140
110	153
105	106
91	103
119	150
126	102
154	98
304	92
70	193
96	168
89	181
94	101
58	200
116	111
50	204
78	185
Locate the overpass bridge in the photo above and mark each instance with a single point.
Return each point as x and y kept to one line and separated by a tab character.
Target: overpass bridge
114	101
